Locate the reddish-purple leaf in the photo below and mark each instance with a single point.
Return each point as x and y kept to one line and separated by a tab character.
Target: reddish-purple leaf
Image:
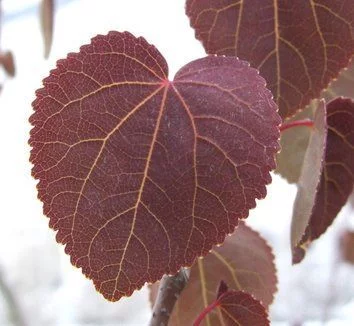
297	46
7	61
240	308
347	246
221	289
140	175
234	308
47	23
245	262
327	176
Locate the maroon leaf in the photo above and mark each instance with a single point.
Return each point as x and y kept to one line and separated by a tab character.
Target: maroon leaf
7	61
235	308
140	175
221	289
327	176
298	47
47	22
347	246
244	261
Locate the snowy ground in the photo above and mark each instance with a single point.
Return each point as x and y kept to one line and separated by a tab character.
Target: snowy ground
48	289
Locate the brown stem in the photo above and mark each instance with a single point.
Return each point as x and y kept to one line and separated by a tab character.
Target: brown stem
169	291
296	123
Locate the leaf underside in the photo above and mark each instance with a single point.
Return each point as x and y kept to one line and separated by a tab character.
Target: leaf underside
322	194
298	47
294	143
140	175
245	262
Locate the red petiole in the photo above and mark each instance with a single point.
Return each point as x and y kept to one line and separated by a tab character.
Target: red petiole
205	312
297	123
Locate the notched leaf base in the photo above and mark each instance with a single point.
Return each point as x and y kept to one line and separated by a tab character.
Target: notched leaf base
140	175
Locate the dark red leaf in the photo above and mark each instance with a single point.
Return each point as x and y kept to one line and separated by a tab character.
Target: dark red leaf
297	46
347	246
235	308
7	61
47	23
140	175
221	289
245	262
327	176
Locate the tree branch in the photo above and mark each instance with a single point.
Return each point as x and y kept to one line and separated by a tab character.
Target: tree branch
169	291
15	315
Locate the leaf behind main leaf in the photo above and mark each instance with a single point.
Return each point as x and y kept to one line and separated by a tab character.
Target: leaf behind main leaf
245	262
327	176
298	46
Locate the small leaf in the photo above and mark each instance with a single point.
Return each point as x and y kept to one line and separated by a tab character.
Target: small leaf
7	61
235	308
141	175
245	262
347	246
327	176
240	308
47	23
298	47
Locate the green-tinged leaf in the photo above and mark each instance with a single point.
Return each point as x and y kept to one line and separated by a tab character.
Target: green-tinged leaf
327	175
293	143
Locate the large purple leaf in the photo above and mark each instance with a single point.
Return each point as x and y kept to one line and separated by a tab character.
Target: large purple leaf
140	175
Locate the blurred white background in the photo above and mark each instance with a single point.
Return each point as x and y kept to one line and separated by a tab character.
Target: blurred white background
48	290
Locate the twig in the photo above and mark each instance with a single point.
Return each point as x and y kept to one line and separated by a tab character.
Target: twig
169	291
15	315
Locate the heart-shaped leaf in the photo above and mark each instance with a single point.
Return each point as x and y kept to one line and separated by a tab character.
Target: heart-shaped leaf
141	175
297	46
234	308
245	262
327	175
